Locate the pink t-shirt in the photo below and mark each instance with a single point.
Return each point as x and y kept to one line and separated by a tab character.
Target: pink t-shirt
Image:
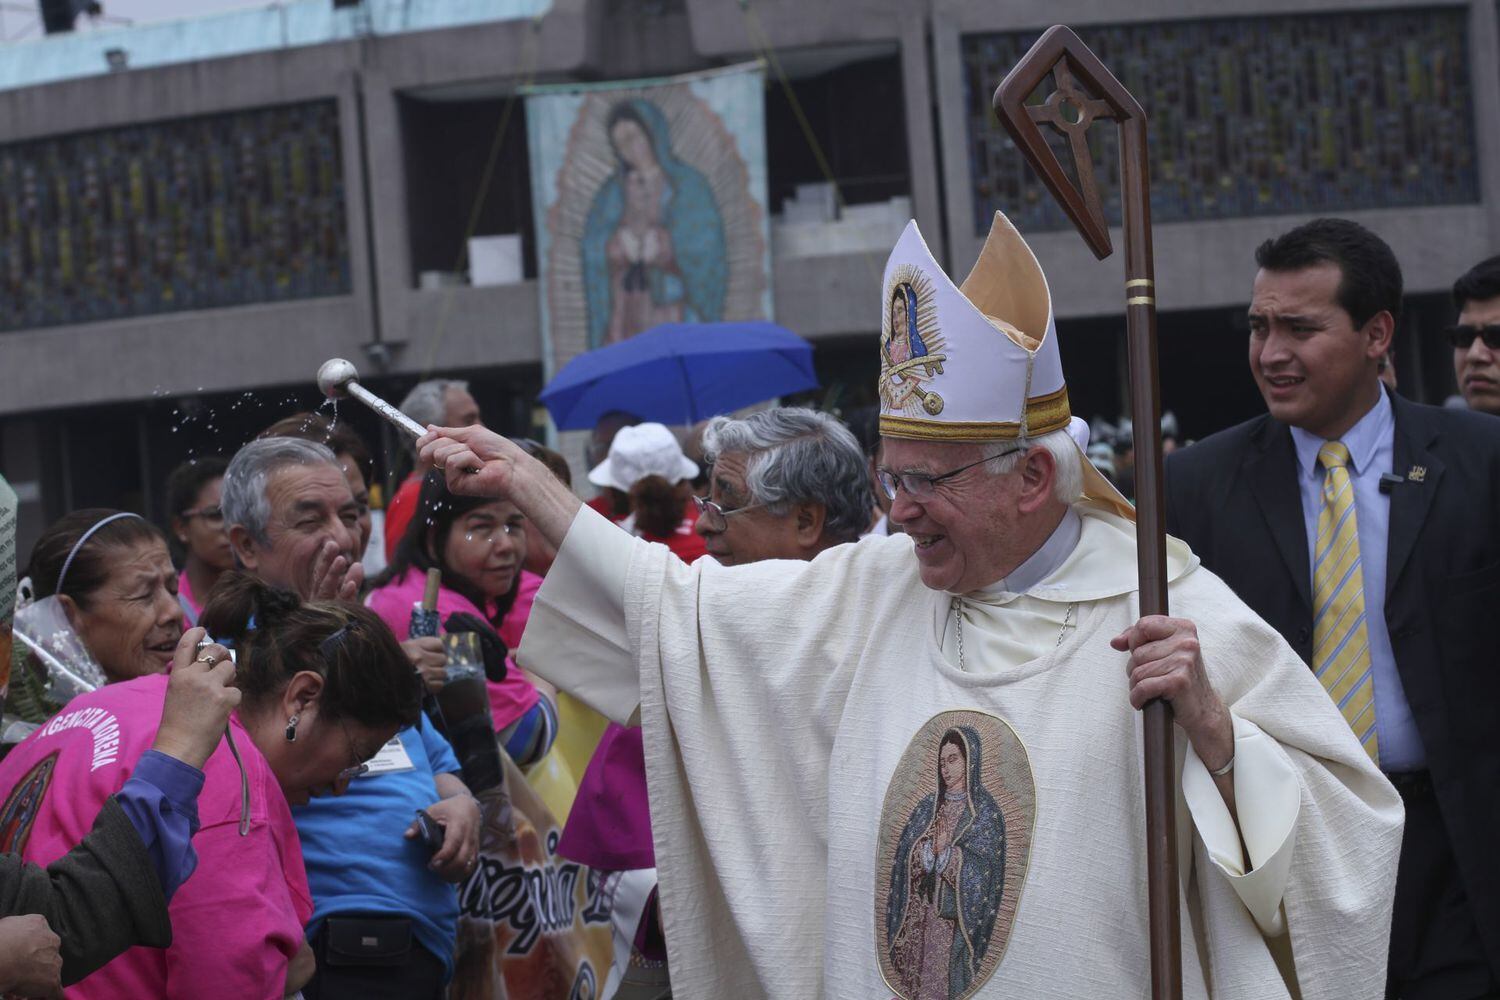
512	697
238	919
188	599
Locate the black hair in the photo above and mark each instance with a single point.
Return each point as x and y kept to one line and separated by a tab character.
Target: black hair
91	565
864	424
619	419
1369	276
366	676
185	482
1480	282
437	511
553	460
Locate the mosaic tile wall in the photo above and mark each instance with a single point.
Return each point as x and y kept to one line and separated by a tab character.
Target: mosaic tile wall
196	213
1257	116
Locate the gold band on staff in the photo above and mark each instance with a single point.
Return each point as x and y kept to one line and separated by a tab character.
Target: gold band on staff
1141	300
1139	283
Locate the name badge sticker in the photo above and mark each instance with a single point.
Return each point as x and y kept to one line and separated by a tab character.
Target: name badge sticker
391	758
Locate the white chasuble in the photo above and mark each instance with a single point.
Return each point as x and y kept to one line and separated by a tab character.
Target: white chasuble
840	811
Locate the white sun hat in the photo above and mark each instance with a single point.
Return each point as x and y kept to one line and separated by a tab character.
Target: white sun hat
641	451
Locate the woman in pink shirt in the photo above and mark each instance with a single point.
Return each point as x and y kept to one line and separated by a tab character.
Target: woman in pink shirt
324	686
479	545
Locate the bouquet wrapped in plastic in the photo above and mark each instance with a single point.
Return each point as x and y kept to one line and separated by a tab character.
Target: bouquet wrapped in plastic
52	665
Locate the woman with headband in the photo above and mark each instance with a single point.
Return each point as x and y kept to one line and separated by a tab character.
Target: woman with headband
323	686
114	579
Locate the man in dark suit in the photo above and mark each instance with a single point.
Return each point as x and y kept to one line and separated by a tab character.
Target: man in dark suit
1366	529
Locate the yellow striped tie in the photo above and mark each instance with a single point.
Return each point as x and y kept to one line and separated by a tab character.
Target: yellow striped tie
1341	643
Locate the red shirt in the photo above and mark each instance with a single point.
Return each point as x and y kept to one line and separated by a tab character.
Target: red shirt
399	512
601	503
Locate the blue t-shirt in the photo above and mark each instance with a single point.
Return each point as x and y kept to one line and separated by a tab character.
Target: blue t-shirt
358	858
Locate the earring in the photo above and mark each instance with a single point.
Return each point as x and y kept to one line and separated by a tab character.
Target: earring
291	729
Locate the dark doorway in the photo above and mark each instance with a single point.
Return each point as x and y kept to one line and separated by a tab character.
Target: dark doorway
446	145
840	92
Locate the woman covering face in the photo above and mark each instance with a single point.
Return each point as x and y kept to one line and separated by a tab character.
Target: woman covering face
113	576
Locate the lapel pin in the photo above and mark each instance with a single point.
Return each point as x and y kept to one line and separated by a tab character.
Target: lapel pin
1417	474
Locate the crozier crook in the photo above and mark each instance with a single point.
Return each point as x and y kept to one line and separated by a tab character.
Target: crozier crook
1085	92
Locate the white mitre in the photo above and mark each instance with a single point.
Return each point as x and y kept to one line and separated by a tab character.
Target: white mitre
977	362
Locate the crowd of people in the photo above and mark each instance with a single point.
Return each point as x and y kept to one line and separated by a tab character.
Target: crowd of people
827	758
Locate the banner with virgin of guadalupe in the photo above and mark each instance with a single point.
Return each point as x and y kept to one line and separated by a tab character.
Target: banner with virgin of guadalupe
650	202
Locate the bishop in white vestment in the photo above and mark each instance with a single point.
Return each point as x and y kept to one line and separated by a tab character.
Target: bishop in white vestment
886	773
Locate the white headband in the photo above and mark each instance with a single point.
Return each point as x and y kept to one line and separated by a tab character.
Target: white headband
80	543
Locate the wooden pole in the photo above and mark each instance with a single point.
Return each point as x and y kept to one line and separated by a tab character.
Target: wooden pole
1086	91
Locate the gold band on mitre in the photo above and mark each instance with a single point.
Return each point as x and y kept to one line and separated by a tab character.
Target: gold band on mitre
1043	415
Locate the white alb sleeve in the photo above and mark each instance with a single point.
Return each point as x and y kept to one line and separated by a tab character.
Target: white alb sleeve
1268	800
576	636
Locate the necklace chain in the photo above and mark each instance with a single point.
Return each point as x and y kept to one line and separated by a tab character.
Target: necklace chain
958	627
958	624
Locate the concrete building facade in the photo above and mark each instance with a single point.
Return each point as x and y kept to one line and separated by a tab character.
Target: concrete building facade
428	127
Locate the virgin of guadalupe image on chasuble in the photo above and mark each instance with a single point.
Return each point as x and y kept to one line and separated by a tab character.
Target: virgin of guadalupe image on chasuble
955	838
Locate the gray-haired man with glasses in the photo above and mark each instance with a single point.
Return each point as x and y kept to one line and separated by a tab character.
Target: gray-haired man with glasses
787	483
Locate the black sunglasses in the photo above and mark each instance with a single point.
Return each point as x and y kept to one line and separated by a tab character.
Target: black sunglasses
1462	336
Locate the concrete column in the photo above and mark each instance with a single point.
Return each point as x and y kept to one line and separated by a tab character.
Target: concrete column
958	189
1484	74
356	202
921	129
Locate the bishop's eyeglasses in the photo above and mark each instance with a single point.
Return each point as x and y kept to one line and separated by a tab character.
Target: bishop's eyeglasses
920	486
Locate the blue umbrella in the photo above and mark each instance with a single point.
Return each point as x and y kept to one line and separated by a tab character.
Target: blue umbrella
680	373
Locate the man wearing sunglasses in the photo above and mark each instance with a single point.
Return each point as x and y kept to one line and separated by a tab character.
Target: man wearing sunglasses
913	764
1476	336
1362	526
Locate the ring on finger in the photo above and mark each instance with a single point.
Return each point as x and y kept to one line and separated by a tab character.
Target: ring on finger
208	658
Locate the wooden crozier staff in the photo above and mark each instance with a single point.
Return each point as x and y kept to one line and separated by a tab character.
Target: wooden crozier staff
1085	92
